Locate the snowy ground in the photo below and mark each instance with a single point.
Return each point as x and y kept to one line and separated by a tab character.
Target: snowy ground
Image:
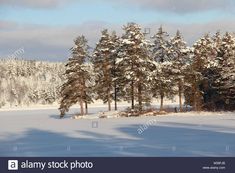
42	133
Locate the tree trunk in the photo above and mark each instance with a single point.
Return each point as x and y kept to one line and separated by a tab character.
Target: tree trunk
195	103
132	95
140	96
83	94
180	96
109	104
194	99
162	97
62	113
81	107
86	108
115	96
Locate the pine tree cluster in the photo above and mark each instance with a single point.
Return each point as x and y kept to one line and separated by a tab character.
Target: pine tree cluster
135	69
128	68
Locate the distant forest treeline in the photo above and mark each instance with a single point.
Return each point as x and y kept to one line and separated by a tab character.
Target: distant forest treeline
24	82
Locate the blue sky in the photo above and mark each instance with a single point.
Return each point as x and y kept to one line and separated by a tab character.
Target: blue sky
105	11
46	28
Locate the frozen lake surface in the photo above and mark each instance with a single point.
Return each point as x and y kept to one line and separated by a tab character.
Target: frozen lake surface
42	133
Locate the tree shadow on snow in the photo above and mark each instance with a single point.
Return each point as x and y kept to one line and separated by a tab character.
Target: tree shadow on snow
199	126
68	116
157	141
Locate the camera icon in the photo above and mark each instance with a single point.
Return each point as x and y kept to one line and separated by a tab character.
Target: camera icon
12	164
95	124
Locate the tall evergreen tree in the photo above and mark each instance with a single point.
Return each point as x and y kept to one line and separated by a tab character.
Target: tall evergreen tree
203	51
180	58
103	65
211	98
75	88
135	63
162	79
226	66
115	71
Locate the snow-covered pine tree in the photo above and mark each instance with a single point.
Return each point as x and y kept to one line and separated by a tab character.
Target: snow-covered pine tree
103	66
217	41
162	79
211	98
75	90
203	52
226	81
115	71
180	57
136	65
161	46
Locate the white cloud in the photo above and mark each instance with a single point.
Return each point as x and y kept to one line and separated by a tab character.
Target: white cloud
53	43
7	25
177	6
192	32
34	3
46	41
182	6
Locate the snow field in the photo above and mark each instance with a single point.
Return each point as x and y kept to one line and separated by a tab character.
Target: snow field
42	133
